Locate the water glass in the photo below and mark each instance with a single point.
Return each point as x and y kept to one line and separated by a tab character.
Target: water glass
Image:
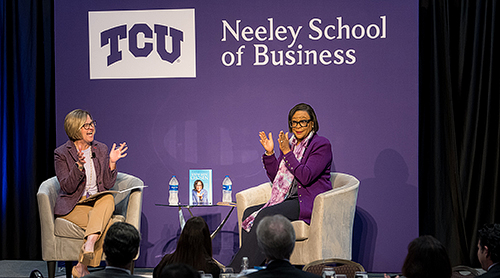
227	272
361	274
328	272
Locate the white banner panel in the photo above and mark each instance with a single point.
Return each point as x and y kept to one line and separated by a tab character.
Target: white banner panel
142	44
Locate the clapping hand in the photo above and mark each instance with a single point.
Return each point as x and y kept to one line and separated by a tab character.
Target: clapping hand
284	143
266	142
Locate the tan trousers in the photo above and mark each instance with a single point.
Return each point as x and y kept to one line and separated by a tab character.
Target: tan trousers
94	218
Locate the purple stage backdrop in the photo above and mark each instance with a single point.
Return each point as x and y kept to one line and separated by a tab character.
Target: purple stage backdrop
189	84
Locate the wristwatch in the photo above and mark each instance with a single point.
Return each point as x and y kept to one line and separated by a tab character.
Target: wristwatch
80	167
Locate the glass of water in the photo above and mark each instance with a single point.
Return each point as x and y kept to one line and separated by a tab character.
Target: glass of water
361	274
328	272
227	272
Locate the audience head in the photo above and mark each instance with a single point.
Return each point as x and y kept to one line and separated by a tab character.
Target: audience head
427	258
121	244
276	237
179	271
194	235
74	122
488	245
194	248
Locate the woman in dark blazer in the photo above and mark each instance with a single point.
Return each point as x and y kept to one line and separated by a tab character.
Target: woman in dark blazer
299	174
84	168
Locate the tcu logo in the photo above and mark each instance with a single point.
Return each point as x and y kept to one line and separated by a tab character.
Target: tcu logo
142	44
114	35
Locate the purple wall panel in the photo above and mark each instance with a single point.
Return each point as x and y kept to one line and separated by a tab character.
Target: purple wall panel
368	110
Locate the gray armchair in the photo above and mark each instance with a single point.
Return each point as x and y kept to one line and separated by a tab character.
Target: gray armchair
61	239
330	233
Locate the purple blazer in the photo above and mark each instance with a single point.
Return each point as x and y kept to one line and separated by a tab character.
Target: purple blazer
73	181
312	172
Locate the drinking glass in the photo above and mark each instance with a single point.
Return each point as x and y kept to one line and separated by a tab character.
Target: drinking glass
328	272
361	274
227	272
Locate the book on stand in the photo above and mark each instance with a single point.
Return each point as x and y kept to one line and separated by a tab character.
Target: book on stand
200	187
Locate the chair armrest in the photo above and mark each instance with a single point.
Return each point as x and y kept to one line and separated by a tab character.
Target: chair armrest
134	212
134	209
46	195
333	217
129	203
252	196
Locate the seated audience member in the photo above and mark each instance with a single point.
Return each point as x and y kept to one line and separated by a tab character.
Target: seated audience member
179	271
427	258
276	239
194	248
121	245
488	250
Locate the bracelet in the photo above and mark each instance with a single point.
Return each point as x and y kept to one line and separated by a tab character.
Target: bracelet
80	167
269	154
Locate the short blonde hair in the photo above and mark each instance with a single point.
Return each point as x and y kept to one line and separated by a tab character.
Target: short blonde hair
74	122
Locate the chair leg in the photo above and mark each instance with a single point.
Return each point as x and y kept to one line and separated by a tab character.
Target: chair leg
51	268
69	267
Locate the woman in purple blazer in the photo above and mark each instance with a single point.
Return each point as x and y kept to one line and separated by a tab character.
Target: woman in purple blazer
301	172
84	168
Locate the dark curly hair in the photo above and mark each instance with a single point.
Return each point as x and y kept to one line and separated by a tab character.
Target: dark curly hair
489	235
427	258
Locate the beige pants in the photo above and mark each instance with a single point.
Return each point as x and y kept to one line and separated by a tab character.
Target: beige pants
94	218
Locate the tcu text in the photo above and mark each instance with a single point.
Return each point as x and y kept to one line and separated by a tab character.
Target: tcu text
164	35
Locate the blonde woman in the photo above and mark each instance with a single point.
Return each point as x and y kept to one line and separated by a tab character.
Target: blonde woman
84	167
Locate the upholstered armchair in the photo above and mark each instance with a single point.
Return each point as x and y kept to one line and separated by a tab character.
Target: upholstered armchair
61	239
330	233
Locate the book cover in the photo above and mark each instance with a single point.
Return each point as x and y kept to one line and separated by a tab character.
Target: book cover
200	187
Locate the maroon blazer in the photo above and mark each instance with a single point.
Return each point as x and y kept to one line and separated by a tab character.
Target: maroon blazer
312	172
73	181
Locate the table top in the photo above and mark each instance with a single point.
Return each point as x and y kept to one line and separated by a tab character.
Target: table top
219	204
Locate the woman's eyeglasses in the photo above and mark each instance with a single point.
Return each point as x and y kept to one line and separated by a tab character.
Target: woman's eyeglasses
302	123
88	125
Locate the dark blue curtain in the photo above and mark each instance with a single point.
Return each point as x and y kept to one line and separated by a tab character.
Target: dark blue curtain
27	121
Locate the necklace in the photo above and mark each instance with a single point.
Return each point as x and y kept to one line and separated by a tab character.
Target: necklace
87	185
89	172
